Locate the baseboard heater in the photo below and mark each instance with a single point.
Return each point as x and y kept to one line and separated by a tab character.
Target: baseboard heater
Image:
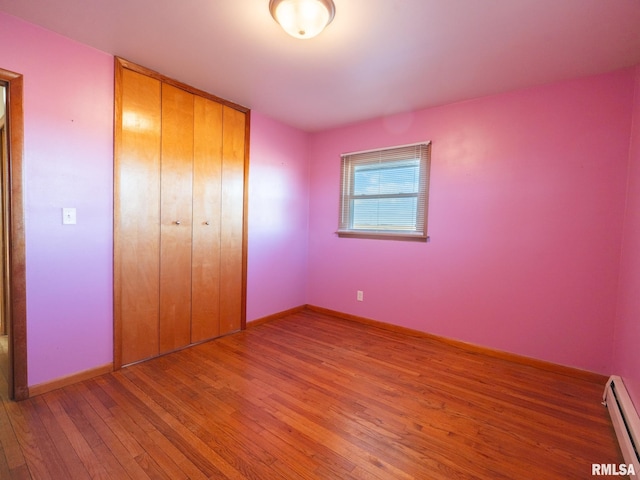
625	420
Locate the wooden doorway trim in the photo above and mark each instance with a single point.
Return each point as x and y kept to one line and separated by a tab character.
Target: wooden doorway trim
18	386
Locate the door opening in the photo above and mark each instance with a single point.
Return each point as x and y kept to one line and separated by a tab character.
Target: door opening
13	324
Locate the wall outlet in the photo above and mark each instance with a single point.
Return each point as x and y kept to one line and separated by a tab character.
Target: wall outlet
360	296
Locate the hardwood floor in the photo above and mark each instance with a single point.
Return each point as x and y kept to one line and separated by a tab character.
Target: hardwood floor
311	396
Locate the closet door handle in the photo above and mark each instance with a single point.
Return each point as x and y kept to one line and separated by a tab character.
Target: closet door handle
207	223
177	222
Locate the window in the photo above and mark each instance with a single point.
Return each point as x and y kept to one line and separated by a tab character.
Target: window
384	193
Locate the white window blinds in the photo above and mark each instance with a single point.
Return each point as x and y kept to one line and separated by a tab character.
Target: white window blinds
385	192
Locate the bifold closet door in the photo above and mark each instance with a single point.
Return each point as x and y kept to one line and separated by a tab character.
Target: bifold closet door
176	193
207	178
137	227
179	215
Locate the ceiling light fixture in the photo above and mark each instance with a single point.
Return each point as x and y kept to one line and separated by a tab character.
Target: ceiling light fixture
302	18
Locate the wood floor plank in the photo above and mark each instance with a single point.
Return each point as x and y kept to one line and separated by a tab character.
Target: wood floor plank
191	446
60	440
142	441
4	465
219	438
150	467
216	404
117	422
82	445
357	433
154	442
42	459
104	428
311	396
9	442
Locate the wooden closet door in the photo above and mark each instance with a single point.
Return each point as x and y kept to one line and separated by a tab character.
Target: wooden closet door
176	218
137	217
232	221
179	239
205	270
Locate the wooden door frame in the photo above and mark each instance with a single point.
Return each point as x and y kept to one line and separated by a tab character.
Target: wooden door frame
18	380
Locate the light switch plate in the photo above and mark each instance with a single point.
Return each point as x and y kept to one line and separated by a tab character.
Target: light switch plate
68	216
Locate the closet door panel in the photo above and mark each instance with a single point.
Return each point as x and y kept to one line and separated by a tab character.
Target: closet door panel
137	216
232	221
176	218
205	270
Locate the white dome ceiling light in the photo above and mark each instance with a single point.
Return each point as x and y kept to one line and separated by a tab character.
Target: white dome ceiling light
302	18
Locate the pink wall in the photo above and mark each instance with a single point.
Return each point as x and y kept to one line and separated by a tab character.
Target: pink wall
68	159
525	218
626	360
278	217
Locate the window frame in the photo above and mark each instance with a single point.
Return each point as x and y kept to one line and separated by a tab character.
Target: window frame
420	151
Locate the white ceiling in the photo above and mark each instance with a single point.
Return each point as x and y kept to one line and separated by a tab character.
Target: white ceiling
376	58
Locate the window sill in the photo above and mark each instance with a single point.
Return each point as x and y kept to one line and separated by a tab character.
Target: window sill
411	237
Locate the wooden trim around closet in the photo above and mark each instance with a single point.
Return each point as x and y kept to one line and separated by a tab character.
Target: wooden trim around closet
117	153
245	226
